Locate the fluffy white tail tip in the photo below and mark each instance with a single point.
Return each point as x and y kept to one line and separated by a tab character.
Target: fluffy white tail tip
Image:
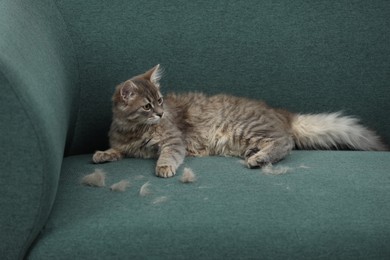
334	131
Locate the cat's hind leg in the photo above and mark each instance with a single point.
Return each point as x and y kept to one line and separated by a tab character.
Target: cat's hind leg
109	155
271	151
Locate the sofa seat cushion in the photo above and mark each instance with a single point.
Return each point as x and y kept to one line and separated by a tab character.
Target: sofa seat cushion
329	205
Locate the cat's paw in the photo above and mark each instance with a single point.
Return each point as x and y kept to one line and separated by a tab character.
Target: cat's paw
106	156
165	171
257	160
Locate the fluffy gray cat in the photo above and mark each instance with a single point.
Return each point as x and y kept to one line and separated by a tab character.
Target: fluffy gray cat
147	125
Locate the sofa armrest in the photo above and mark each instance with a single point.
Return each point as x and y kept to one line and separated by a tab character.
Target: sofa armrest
38	103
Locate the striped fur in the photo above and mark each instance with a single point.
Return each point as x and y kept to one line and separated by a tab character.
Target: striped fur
193	124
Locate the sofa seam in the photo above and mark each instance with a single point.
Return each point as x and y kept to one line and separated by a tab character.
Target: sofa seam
75	121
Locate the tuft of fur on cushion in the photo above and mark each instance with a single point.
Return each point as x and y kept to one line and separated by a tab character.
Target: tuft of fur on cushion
188	176
120	186
145	189
269	169
95	179
160	200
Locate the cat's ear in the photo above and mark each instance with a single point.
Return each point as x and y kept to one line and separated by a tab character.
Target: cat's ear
154	75
127	90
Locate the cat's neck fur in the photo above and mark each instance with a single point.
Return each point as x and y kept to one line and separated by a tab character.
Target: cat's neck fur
125	126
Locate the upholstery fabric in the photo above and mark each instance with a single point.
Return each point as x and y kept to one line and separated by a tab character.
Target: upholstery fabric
60	61
319	210
37	103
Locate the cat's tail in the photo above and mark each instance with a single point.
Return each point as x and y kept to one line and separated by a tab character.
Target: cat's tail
333	131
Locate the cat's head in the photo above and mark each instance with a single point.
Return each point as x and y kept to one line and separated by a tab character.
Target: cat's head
138	100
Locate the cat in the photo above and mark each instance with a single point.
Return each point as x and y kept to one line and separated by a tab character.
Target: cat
147	125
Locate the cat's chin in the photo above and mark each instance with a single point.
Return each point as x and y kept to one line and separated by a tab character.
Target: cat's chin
153	121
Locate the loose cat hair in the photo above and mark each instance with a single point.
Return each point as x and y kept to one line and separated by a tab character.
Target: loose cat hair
188	176
145	124
95	179
120	186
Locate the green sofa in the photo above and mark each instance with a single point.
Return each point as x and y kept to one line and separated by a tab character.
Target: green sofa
60	61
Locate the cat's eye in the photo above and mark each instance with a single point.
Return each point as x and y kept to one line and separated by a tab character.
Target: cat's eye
147	107
160	101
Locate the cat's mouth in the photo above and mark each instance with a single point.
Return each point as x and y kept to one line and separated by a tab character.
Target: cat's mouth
154	120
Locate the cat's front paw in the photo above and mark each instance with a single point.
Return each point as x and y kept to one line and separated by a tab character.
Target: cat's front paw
165	171
106	156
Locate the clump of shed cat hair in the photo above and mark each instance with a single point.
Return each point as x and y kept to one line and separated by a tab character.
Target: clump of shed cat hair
302	166
145	190
269	169
95	179
188	176
120	186
160	200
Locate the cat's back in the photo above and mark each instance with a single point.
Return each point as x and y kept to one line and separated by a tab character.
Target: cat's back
217	108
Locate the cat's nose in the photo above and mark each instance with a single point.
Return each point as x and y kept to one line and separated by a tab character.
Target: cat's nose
160	114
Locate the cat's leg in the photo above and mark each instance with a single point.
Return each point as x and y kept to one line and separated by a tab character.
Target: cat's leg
171	156
271	151
109	155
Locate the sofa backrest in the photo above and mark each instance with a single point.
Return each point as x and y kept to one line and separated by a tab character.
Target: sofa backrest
38	103
306	56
